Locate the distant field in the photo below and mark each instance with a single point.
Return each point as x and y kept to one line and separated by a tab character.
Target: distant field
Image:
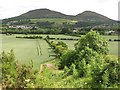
113	46
37	49
56	20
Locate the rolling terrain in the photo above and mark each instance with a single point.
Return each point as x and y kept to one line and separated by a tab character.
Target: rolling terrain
86	16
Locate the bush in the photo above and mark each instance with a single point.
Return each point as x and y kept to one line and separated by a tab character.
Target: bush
15	75
9	71
68	58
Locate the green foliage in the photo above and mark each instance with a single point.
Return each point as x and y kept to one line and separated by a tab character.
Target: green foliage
105	74
87	54
94	41
91	61
84	67
113	67
46	24
16	76
81	66
59	47
62	44
87	48
9	71
68	58
73	70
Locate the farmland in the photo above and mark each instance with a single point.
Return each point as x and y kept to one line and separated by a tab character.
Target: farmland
25	49
37	49
45	49
113	46
57	20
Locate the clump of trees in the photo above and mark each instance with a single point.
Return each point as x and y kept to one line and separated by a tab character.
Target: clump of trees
90	59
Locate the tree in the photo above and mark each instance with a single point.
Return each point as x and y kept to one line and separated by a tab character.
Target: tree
88	47
60	48
63	44
94	41
65	30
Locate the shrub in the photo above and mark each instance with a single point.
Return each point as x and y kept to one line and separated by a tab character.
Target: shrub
68	58
15	75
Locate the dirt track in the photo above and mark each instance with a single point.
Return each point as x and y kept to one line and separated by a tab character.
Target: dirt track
50	66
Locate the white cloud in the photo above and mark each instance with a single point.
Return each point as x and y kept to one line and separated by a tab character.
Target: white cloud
11	8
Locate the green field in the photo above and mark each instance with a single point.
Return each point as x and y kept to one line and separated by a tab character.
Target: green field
26	49
113	46
37	49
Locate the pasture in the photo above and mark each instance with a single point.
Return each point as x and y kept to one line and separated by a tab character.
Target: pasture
38	50
26	49
113	45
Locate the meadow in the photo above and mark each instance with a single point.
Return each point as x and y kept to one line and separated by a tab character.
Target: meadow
113	45
38	50
26	49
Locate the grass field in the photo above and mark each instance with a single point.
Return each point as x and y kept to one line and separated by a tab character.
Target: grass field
26	49
37	49
113	46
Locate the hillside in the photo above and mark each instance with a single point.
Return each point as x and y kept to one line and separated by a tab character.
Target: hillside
41	13
88	16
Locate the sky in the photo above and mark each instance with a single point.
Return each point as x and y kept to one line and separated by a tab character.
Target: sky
12	8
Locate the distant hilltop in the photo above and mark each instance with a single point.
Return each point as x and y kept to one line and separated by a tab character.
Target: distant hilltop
86	16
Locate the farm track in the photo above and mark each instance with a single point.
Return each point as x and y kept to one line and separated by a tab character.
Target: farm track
38	48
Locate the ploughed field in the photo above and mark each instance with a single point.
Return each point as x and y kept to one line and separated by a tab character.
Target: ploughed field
38	50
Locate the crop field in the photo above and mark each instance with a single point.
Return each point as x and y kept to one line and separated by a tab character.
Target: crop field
113	45
38	50
26	49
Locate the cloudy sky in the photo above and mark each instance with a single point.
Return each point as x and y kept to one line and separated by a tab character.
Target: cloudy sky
11	8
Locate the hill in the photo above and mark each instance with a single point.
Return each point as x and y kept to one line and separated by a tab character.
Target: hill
86	16
90	16
41	13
